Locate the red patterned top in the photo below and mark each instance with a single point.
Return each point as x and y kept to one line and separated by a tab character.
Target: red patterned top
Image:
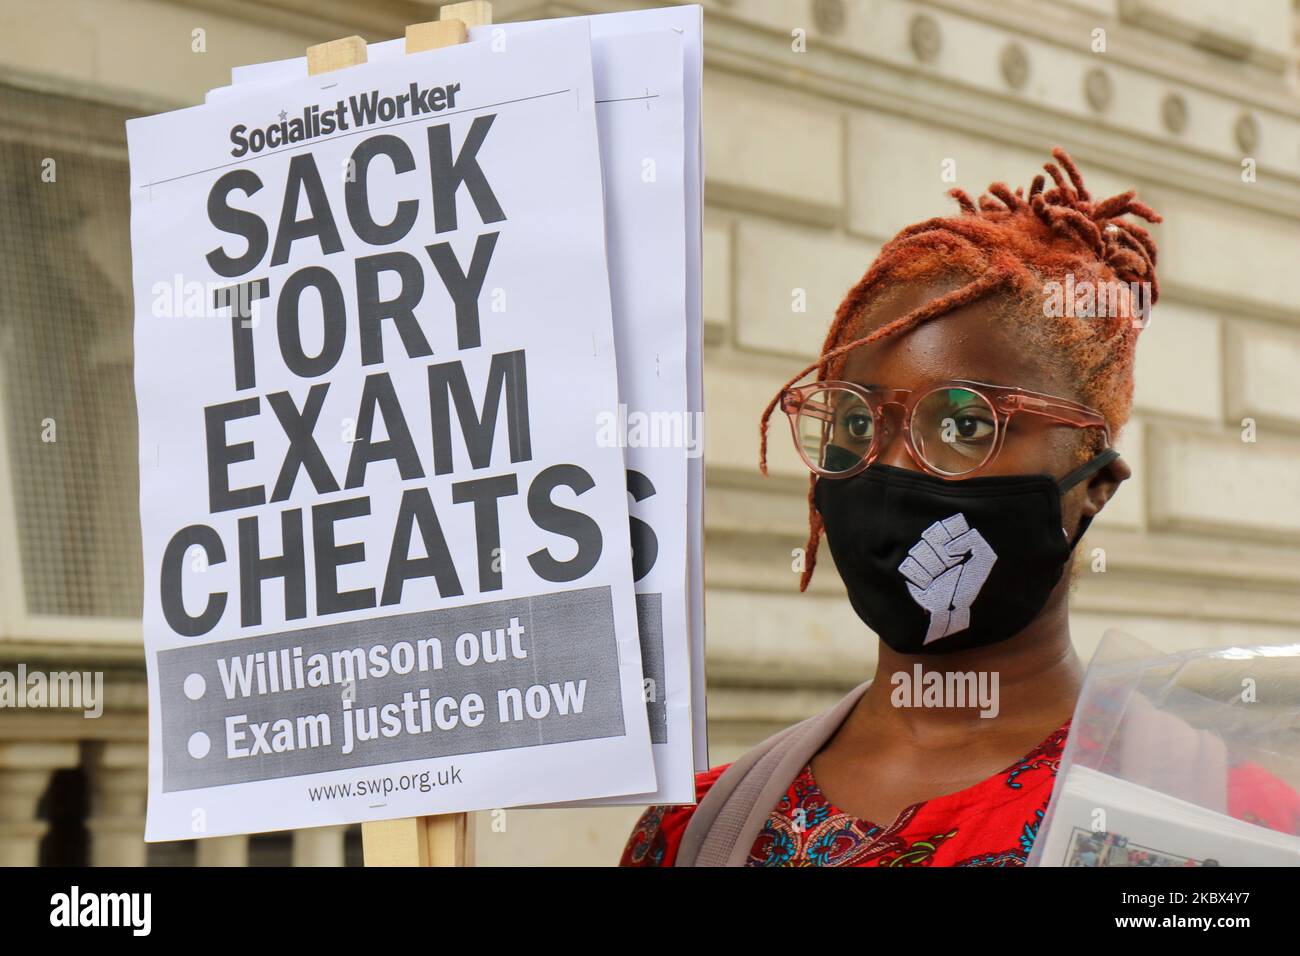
992	823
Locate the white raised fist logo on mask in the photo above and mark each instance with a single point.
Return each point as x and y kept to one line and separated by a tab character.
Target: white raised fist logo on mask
945	571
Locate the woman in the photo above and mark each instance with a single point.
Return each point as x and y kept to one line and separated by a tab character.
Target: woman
959	433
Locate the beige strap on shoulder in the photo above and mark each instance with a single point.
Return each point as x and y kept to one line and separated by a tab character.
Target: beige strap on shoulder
726	822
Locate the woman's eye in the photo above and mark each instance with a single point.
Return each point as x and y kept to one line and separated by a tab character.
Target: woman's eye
971	427
858	424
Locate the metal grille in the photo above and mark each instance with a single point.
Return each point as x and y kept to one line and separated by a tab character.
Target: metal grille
66	353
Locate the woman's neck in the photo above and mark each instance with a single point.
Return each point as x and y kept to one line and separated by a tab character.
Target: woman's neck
1021	684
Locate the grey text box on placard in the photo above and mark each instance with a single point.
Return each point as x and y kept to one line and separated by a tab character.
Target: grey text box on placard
567	637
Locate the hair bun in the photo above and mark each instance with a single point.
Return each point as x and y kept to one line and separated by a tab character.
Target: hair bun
1120	243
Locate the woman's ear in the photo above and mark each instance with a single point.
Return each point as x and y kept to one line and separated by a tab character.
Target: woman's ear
1103	485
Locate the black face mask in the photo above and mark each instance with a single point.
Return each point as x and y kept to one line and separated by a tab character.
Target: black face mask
936	566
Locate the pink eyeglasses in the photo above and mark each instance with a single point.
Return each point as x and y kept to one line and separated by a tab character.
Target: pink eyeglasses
951	430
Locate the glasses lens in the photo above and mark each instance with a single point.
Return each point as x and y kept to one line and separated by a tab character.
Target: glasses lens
954	430
835	429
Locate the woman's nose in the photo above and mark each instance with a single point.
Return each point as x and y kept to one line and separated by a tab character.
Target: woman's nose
893	450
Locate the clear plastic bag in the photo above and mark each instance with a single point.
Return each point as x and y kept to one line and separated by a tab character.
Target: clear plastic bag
1185	759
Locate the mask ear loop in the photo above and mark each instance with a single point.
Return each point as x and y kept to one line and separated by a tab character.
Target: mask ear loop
1089	468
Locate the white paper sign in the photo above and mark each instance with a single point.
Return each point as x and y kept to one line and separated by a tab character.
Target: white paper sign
639	116
386	556
647	74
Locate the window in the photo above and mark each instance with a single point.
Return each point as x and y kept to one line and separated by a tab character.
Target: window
66	319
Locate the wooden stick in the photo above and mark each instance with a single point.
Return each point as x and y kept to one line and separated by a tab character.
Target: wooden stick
435	34
335	55
474	13
445	839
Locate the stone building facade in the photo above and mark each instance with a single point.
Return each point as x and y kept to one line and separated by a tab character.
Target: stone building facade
829	124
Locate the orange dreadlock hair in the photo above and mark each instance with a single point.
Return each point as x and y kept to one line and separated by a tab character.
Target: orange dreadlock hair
1010	245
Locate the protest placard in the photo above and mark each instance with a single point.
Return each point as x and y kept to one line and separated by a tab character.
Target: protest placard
647	78
388	561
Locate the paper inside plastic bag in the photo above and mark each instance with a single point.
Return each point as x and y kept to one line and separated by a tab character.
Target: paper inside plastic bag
1185	759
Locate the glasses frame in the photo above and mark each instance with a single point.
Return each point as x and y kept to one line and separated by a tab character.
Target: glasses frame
1005	400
